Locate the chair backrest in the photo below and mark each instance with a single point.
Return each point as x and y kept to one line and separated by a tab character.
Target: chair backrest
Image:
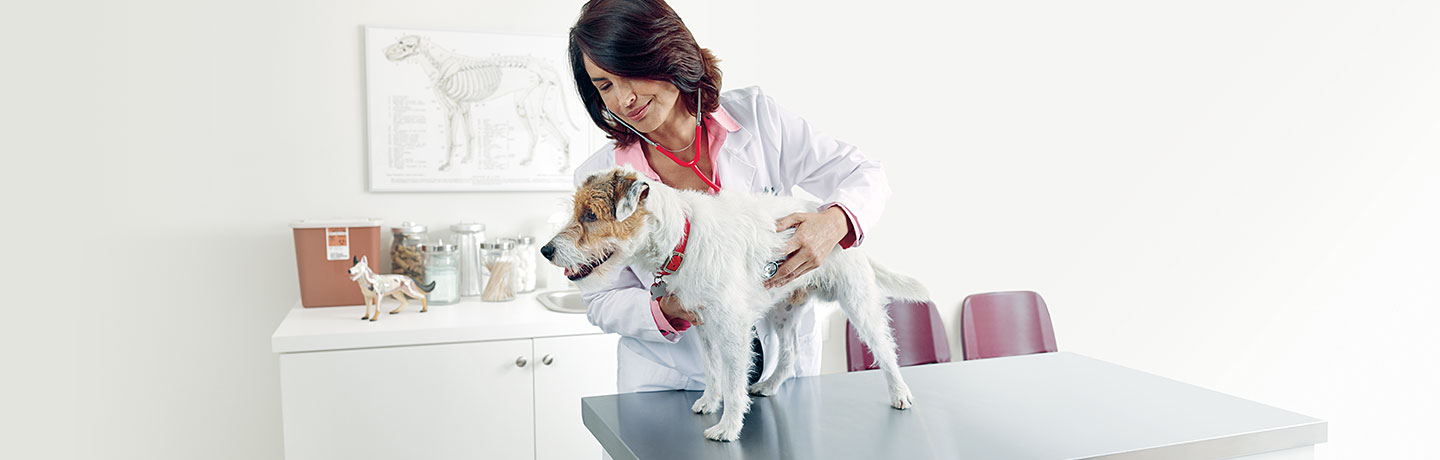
1010	323
919	337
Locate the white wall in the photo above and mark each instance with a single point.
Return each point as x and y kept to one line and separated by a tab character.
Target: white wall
1239	195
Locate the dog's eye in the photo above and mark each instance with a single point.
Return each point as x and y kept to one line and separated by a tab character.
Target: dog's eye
587	216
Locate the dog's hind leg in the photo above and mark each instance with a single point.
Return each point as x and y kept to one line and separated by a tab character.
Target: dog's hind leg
781	318
413	292
866	308
404	302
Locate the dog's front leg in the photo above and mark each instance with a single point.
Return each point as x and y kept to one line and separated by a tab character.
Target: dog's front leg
709	400
732	349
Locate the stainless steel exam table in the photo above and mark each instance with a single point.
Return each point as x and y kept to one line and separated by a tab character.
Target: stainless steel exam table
1042	406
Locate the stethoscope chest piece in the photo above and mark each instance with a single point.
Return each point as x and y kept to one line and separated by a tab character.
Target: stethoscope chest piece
770	268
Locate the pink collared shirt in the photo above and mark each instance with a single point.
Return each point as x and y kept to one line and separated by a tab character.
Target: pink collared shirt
717	126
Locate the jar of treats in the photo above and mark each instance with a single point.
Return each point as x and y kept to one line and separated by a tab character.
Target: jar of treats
406	258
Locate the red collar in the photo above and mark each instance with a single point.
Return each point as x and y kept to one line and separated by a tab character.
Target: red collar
678	256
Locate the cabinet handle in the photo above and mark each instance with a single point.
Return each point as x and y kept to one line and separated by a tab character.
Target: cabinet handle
521	361
547	360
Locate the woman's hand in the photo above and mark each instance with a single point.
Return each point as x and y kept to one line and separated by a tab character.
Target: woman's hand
816	234
670	307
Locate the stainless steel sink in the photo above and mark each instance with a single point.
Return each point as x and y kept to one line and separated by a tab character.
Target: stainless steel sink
566	301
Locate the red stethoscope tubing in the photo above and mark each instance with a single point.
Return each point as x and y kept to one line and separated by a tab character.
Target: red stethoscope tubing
692	164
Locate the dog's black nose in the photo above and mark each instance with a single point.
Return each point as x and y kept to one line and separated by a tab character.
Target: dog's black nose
548	250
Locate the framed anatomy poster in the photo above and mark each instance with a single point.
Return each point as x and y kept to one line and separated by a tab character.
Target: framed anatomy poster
470	111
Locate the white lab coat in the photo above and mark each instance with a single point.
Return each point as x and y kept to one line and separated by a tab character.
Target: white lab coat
773	149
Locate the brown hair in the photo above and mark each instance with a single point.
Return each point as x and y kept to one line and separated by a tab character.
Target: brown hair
640	39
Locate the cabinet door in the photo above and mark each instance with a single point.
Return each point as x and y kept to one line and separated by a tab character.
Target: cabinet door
580	366
454	401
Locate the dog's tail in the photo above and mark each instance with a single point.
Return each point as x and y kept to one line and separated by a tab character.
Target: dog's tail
429	287
899	286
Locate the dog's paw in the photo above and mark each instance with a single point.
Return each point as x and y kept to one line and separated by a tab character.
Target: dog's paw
764	388
902	401
721	432
706	406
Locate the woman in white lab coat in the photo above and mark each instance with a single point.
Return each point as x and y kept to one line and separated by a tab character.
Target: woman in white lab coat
635	63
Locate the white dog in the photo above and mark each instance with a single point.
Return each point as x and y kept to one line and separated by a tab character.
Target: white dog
623	219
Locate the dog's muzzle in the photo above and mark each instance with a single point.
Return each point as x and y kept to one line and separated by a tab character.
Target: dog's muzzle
585	269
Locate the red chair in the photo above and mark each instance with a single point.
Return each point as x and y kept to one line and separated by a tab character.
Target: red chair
919	337
996	324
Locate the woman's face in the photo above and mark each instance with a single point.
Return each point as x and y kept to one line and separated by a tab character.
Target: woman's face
644	104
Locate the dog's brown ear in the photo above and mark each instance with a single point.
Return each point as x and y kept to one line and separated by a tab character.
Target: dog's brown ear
632	194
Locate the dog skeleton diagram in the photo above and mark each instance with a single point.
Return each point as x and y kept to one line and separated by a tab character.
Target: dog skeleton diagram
460	81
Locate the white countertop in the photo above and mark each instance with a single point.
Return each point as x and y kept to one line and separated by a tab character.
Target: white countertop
338	328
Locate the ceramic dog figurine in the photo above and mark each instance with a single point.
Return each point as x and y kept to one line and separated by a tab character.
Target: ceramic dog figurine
716	252
376	287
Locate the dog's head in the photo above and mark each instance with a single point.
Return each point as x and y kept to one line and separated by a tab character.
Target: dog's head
606	227
358	266
403	48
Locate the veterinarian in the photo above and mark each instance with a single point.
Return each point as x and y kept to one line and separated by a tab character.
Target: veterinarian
643	79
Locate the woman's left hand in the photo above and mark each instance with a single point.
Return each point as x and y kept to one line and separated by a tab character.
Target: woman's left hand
816	234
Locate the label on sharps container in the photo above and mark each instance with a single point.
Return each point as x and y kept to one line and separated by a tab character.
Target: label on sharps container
337	243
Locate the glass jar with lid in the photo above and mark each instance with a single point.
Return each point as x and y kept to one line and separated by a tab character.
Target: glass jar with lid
468	236
441	269
500	271
517	279
406	258
525	263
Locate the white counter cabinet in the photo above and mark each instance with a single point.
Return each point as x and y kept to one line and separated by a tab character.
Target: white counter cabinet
472	380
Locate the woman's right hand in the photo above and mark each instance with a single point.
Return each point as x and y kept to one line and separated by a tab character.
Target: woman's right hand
670	306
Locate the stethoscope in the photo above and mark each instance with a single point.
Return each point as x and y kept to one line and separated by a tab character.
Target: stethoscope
689	164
